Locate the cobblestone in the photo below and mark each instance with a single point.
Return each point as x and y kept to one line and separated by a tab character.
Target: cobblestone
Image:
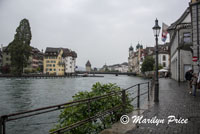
174	100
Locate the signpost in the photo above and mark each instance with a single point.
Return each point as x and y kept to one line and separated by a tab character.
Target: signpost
195	58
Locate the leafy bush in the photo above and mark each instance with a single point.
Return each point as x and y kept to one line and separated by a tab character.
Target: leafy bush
74	114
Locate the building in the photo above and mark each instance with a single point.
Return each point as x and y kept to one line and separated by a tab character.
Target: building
53	62
59	61
116	68
88	66
163	55
136	58
124	67
69	57
195	22
35	61
130	59
180	46
1	58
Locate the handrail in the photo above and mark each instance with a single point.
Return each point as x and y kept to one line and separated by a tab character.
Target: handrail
25	114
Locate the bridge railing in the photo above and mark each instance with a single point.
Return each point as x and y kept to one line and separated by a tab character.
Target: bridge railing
135	94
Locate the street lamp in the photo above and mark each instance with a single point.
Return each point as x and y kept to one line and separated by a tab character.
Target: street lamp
156	30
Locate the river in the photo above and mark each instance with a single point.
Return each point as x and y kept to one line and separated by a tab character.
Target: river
18	95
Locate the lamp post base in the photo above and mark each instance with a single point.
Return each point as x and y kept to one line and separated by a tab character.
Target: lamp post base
156	92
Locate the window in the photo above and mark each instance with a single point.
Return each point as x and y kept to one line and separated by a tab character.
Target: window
54	69
47	69
7	59
186	38
50	69
54	65
47	61
164	58
164	64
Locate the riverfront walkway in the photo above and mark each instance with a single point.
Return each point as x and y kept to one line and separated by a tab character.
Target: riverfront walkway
174	100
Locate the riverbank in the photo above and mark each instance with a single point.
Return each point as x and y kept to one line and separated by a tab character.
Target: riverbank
44	76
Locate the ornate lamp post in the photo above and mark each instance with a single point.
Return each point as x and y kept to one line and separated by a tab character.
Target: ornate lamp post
156	30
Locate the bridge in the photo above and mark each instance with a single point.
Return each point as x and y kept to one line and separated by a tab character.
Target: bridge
114	73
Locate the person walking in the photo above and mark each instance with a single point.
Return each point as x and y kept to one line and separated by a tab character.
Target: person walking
194	84
188	77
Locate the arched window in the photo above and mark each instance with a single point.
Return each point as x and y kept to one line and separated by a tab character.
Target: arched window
164	58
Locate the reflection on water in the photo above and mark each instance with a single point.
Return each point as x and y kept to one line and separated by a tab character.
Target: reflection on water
25	94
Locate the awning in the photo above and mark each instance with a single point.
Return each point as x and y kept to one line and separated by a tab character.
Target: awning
162	70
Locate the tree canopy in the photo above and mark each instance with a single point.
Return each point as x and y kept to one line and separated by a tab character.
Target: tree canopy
19	48
148	64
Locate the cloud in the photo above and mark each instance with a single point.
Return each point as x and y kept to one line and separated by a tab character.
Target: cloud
98	30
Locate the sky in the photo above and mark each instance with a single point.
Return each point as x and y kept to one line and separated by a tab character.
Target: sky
100	31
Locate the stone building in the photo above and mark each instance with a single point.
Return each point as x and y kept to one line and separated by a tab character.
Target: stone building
88	66
136	58
195	21
180	46
130	59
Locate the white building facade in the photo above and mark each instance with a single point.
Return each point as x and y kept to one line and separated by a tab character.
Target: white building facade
180	46
69	58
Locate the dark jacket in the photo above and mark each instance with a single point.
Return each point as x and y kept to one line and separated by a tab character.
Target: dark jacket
188	75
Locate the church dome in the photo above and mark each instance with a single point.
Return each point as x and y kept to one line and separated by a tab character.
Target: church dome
138	46
130	48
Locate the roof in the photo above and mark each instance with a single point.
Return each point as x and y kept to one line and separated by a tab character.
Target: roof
52	51
174	25
55	52
88	64
139	46
125	63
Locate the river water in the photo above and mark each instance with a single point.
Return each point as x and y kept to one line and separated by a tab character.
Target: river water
17	95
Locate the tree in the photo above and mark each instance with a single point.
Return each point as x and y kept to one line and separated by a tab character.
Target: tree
148	64
159	67
71	115
19	48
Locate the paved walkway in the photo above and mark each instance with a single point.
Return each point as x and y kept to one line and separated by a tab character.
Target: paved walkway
174	100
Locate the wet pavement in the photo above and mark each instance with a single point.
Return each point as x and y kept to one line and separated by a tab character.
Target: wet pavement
176	101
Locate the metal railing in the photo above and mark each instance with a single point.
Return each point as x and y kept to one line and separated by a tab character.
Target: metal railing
43	110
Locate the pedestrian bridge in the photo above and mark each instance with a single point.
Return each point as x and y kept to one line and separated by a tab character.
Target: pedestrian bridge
114	73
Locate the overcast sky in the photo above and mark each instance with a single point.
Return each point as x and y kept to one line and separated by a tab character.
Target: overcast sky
98	30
